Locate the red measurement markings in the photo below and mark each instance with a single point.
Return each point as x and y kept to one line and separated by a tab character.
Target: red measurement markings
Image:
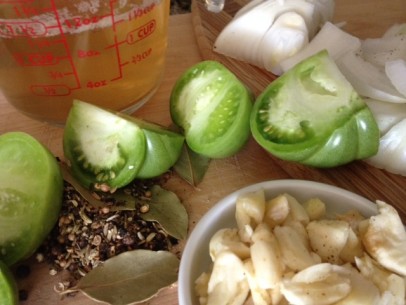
22	29
50	90
36	59
114	22
139	12
96	84
141	56
142	32
79	22
59	75
69	57
16	1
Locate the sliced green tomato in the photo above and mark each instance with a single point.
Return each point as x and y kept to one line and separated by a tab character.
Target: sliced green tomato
31	188
213	108
312	115
8	286
163	149
101	147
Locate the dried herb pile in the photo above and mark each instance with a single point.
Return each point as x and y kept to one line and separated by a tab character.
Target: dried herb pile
87	235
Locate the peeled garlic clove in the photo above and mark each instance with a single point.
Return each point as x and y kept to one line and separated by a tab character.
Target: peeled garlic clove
363	291
228	283
296	210
276	211
227	239
315	208
321	284
385	239
266	258
260	296
391	285
250	209
295	254
328	238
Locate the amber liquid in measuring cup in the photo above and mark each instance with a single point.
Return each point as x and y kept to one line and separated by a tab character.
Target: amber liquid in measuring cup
107	52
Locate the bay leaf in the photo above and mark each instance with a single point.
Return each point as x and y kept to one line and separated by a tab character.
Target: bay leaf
131	277
127	202
166	209
191	166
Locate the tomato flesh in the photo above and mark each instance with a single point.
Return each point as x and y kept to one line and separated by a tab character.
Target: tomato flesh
101	147
31	188
213	108
312	115
111	149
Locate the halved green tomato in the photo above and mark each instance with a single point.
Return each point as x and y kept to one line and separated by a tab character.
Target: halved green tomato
163	149
112	149
101	147
312	115
8	286
31	188
213	108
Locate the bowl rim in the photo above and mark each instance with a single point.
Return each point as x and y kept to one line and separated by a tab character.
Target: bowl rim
185	281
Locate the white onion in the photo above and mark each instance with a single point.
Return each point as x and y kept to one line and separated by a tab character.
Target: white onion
331	38
386	114
261	25
380	50
287	36
396	72
367	79
392	150
396	29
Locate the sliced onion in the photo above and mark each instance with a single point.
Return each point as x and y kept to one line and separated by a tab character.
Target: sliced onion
367	79
396	72
396	29
249	6
336	41
242	37
287	36
380	50
392	150
386	114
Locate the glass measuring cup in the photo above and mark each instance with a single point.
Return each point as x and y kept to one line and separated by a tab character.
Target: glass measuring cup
107	52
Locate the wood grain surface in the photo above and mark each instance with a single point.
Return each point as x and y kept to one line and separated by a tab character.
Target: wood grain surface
188	45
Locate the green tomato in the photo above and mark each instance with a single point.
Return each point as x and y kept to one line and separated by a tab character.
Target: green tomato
110	149
163	149
312	115
31	189
101	147
8	286
213	108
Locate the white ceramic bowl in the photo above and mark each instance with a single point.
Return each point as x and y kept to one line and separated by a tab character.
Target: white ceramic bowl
196	259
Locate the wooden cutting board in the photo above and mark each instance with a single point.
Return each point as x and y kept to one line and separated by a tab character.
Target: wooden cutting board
250	166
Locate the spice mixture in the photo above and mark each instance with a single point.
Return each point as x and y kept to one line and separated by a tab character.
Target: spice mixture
86	235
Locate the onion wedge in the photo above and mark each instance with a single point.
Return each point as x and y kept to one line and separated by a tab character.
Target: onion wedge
386	114
391	155
367	79
242	37
336	41
396	72
287	36
381	50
